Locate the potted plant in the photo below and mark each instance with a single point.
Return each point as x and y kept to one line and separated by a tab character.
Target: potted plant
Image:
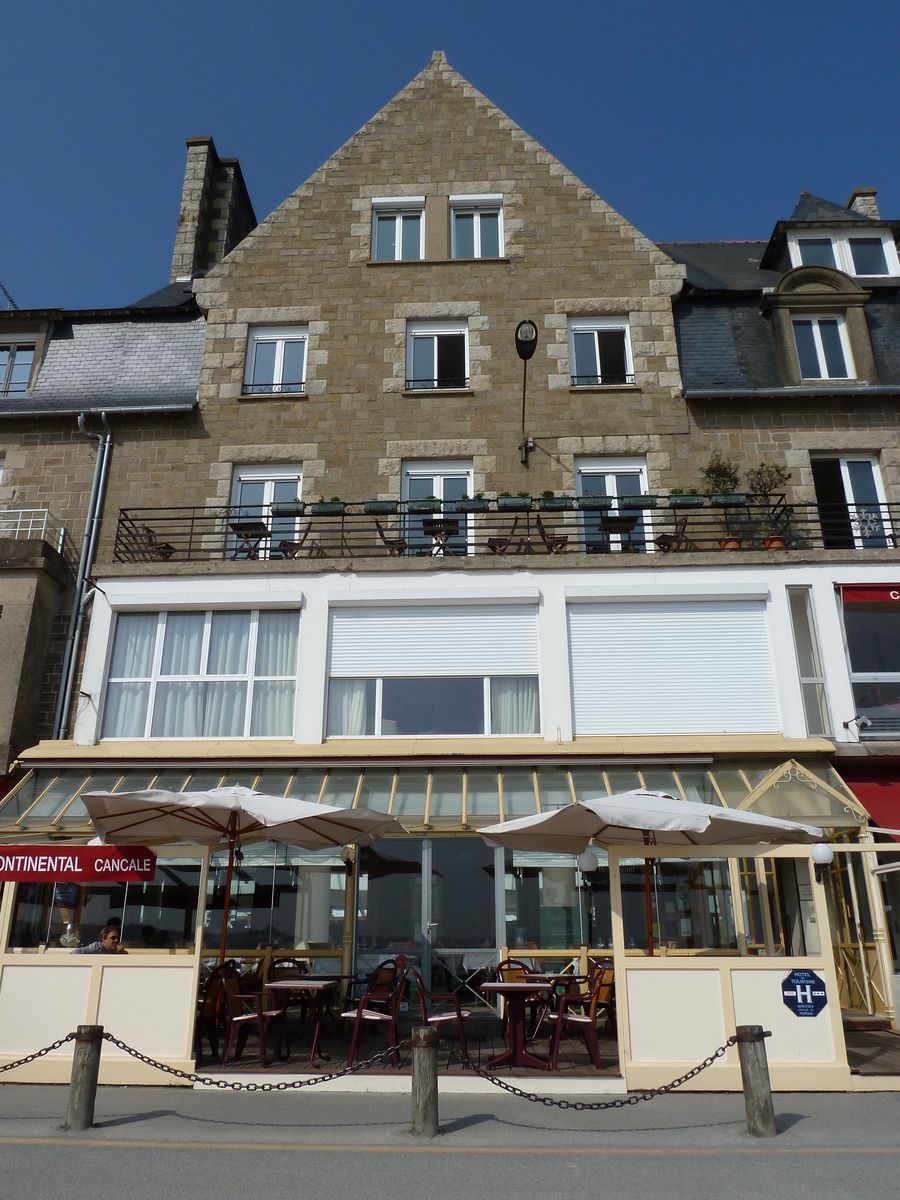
679	498
327	508
288	508
594	503
731	541
552	503
722	477
521	502
379	507
476	503
763	481
637	501
430	504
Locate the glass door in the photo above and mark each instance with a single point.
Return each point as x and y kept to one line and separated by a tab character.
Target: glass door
850	500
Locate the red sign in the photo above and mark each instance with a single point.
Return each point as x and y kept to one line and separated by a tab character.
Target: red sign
886	593
76	864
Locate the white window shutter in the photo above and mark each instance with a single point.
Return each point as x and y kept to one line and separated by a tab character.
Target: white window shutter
435	639
672	667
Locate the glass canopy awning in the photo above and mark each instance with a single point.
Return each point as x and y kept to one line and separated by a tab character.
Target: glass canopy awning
450	799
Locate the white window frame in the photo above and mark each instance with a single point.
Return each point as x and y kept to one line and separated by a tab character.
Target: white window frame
434	330
476	205
155	677
840	244
596	325
864	732
613	466
814	684
815	318
486	693
439	469
399	207
853	504
13	345
279	334
269	475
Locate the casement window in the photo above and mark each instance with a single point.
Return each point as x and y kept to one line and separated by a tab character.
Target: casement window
871	254
202	675
253	492
823	349
446	482
872	634
437	354
672	666
809	663
476	226
398	229
276	361
16	359
600	352
850	501
433	670
612	527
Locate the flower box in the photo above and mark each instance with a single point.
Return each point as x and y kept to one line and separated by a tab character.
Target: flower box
594	503
686	501
288	508
556	503
327	508
379	507
728	499
472	505
514	503
637	501
423	506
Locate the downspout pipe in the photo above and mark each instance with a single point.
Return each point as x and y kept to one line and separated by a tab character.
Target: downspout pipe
85	566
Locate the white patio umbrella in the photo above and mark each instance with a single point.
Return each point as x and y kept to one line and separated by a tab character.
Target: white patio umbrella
229	815
642	817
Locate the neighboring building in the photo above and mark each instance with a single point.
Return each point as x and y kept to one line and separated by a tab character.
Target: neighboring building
320	580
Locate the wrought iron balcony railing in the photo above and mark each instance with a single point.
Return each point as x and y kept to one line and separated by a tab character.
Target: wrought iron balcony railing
508	526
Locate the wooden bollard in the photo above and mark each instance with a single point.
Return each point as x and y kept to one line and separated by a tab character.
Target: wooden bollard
83	1084
424	1082
751	1044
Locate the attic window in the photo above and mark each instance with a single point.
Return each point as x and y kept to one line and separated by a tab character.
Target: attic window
868	255
822	348
16	359
398	229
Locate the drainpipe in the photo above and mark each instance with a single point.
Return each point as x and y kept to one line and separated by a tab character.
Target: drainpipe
85	565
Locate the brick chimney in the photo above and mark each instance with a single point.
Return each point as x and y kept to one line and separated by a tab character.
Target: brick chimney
215	213
862	201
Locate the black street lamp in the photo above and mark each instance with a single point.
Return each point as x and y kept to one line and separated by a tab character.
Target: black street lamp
526	344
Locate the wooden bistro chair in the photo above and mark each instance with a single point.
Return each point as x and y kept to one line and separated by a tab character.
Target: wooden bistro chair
583	1022
677	539
555	542
371	1010
500	543
395	546
159	551
439	1017
289	549
239	1022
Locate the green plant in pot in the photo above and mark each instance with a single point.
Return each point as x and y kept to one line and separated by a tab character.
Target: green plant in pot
764	480
327	508
679	498
550	502
722	478
518	503
476	503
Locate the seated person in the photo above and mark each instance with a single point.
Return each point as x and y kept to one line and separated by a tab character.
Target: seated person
108	943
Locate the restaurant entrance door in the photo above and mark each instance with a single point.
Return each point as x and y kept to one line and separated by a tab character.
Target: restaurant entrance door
446	927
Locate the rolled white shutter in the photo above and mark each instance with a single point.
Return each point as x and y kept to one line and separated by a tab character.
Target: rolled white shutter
680	666
489	639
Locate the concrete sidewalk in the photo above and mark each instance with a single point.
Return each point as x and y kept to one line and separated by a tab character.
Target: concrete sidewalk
174	1142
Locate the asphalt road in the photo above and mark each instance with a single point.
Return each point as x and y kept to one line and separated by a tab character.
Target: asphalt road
165	1142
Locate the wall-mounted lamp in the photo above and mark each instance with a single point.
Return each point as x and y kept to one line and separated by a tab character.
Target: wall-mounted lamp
823	856
526	344
587	862
859	722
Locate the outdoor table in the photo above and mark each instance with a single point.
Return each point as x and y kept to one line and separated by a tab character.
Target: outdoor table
316	989
624	526
441	530
250	535
516	994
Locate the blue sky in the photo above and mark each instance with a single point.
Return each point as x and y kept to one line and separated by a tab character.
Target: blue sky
696	120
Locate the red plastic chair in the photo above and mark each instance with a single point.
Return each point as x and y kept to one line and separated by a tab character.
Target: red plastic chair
583	1023
239	1022
376	1009
437	1018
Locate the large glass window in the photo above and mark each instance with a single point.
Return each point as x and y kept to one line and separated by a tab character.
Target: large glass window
690	904
15	367
432	706
600	352
612	526
254	491
276	361
850	502
398	230
475	227
552	905
872	629
822	348
202	674
437	355
812	679
161	915
865	254
445	482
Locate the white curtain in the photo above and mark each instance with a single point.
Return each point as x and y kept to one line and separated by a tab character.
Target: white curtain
132	656
225	707
276	644
125	711
183	643
347	715
229	637
273	708
514	706
177	709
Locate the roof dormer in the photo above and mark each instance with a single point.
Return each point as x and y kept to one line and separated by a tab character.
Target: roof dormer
852	239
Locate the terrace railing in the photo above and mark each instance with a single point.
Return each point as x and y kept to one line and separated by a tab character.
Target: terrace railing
505	527
36	524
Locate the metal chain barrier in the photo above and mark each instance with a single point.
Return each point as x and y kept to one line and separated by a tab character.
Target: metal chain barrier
600	1105
70	1037
235	1086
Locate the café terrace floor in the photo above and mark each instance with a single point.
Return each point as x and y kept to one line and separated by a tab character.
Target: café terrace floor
869	1052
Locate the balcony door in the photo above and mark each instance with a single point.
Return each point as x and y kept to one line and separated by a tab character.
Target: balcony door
850	499
446	482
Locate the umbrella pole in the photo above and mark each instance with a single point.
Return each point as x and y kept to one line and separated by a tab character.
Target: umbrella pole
648	899
227	903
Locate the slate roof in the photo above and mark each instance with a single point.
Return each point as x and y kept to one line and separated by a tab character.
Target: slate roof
814	208
115	365
173	295
722	266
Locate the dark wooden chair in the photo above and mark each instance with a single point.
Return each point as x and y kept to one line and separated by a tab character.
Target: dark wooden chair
677	539
395	546
498	543
245	1014
577	1012
372	1010
159	551
555	542
289	549
439	1017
